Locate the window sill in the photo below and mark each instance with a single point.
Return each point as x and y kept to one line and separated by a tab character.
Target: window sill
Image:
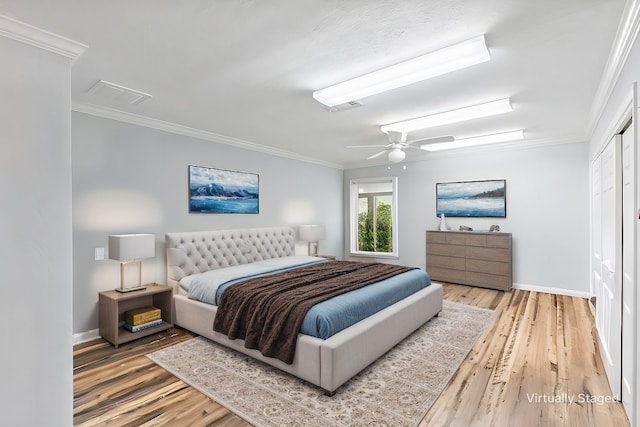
386	255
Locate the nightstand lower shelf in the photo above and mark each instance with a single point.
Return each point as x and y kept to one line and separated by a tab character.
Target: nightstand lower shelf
125	336
113	305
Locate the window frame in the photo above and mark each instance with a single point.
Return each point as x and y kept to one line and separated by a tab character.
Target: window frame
354	196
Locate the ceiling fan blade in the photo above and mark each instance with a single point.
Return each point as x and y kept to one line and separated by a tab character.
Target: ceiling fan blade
378	154
366	146
434	140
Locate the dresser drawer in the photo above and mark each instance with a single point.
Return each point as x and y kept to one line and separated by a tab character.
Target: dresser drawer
475	240
490	267
436	237
446	262
488	281
488	254
447	250
455	238
447	275
497	241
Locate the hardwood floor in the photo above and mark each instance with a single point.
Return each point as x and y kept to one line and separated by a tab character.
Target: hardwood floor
536	365
121	387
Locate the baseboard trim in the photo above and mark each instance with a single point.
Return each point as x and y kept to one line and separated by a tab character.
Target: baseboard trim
81	337
550	290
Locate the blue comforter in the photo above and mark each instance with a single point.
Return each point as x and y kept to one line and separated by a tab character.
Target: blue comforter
326	318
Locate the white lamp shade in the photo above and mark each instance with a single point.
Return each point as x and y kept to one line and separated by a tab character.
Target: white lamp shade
312	233
126	247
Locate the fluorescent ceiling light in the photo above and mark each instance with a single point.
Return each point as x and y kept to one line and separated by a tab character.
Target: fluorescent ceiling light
476	140
456	57
454	116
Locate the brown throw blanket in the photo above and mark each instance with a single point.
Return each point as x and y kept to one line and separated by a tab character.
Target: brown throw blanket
267	311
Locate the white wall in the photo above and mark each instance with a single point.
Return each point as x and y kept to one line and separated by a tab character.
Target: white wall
128	178
35	250
547	209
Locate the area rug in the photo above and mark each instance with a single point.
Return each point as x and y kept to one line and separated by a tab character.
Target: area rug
396	390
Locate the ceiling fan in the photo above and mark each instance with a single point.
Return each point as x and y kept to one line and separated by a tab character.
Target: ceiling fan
397	144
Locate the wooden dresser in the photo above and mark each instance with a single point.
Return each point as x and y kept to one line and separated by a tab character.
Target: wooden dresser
470	258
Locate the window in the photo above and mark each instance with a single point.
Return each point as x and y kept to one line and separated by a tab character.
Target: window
373	214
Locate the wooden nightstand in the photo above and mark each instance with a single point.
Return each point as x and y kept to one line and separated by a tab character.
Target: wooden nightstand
113	304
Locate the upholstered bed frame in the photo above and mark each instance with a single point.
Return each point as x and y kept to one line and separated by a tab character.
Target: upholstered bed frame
326	363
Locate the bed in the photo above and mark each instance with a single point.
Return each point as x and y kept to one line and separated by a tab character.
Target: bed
324	362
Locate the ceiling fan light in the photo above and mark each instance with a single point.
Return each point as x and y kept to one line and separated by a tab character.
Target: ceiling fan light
396	155
448	59
476	140
453	116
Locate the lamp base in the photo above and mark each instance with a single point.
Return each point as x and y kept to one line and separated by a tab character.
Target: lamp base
136	288
316	248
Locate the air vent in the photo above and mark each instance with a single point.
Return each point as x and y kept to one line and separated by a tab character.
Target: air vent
346	106
118	93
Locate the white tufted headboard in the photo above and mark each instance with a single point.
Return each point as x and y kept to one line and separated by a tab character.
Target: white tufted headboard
196	252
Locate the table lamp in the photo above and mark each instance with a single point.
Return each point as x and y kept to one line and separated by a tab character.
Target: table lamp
129	249
312	234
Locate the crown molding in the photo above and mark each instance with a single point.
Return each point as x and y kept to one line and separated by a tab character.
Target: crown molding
135	119
625	38
123	116
28	34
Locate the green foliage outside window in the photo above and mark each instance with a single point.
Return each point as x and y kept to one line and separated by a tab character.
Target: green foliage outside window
383	227
378	238
365	232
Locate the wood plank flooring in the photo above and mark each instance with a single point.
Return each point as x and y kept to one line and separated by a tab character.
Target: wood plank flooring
537	355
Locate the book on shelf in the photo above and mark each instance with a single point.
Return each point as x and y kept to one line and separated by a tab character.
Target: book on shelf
141	315
137	328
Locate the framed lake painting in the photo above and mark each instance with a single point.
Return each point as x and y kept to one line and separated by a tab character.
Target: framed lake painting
472	198
222	191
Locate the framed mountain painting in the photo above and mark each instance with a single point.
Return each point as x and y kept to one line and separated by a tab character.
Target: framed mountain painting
472	198
223	191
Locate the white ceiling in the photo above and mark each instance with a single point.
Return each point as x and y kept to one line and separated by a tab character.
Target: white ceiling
243	71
